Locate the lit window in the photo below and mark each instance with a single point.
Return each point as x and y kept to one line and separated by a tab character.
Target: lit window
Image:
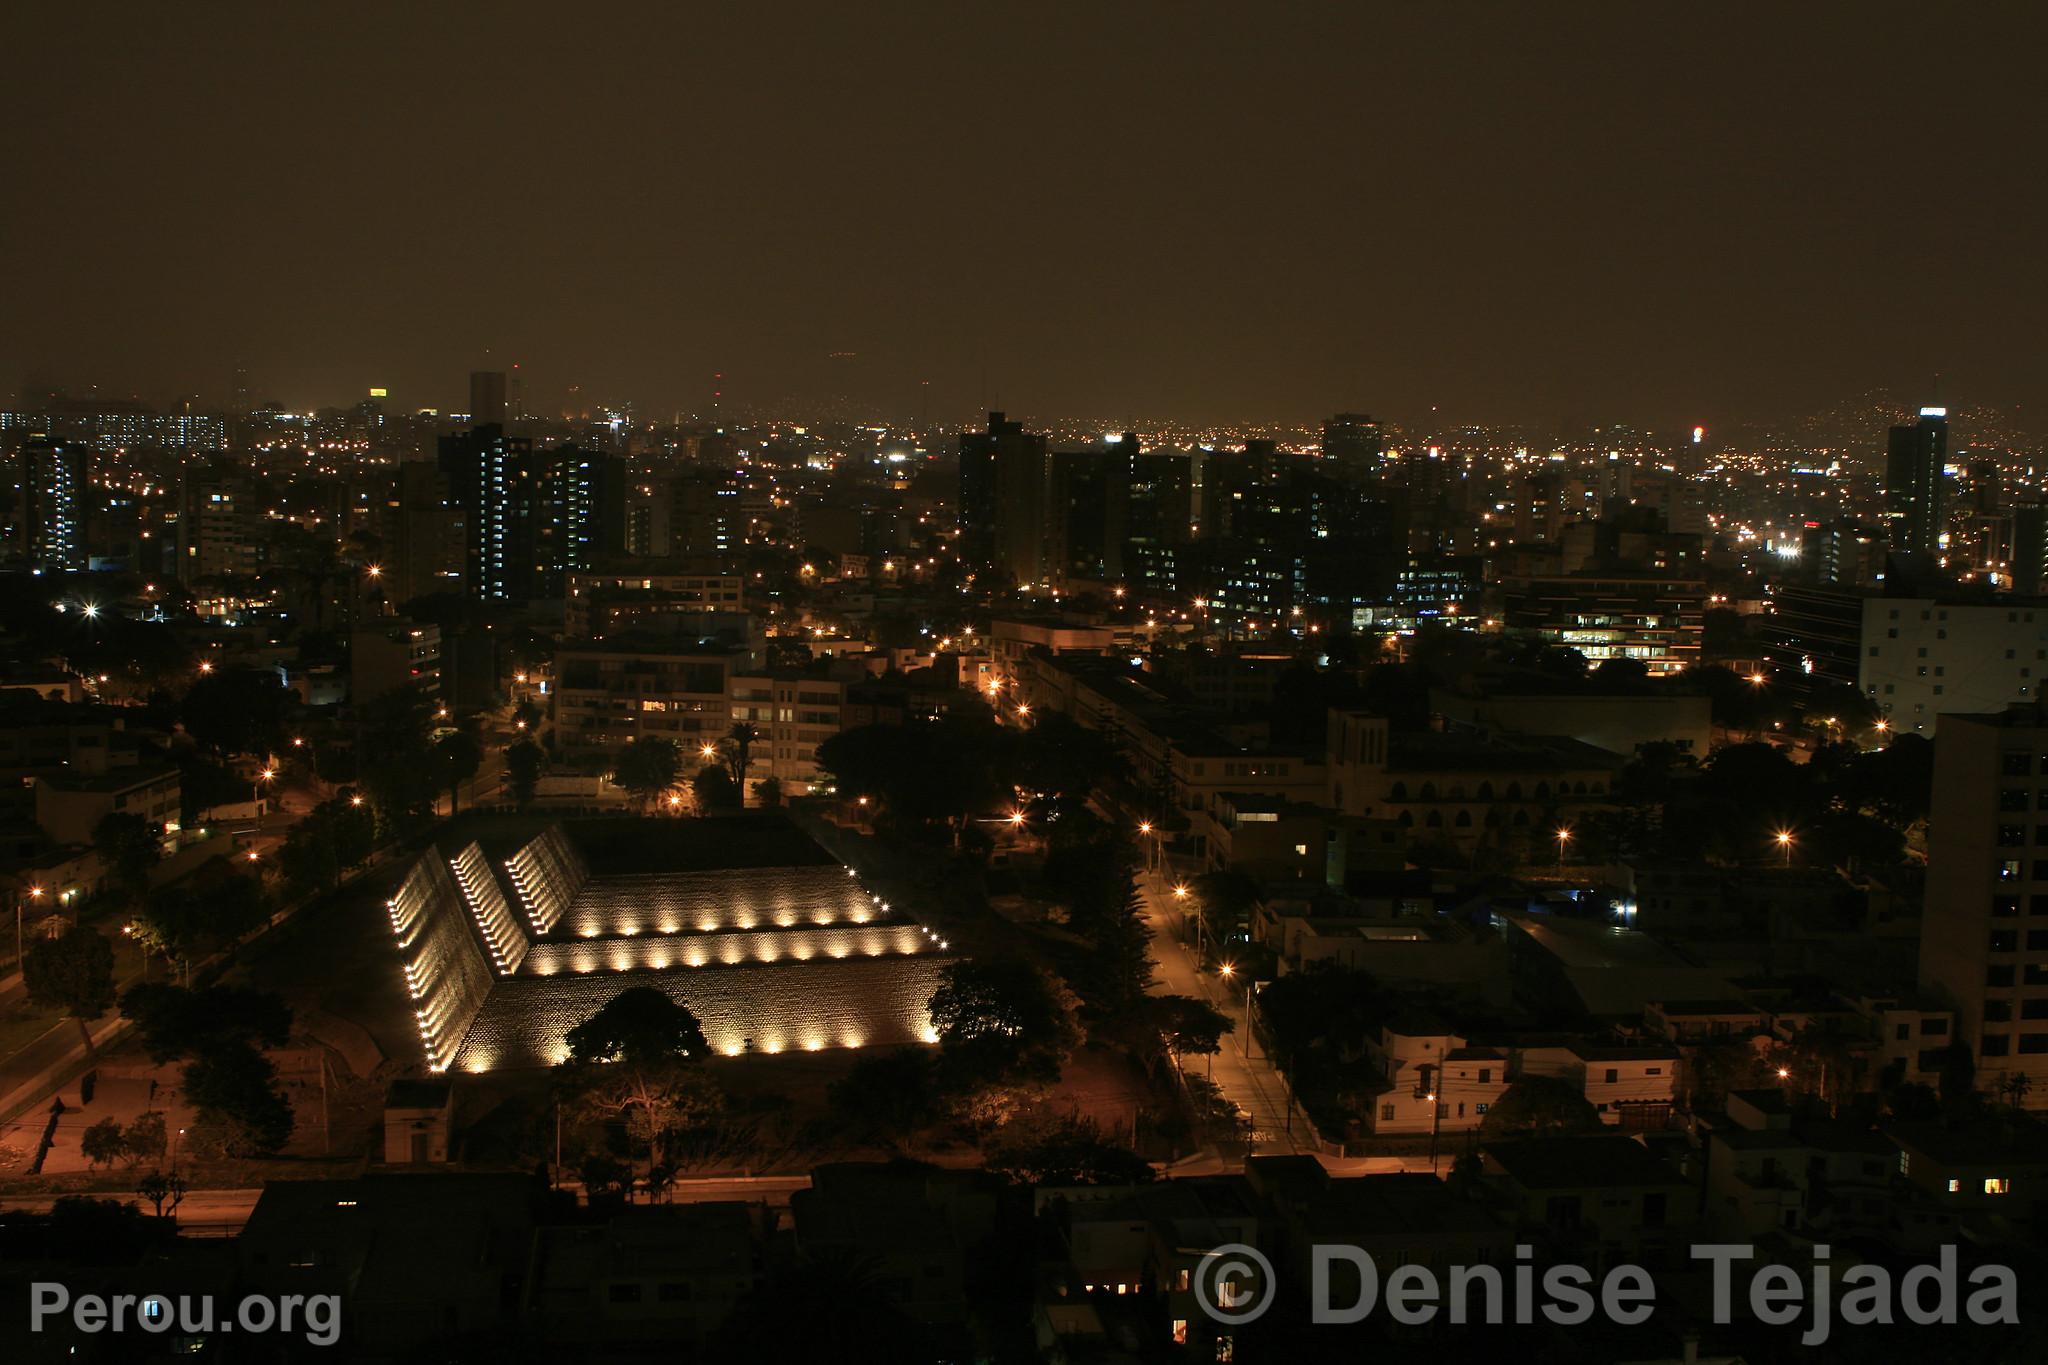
1997	1185
1955	1187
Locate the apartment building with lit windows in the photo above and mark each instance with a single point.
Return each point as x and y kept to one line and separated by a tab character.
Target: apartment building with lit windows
1984	932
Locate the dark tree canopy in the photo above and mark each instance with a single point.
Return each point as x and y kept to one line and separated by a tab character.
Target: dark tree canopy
639	1025
1540	1106
174	1021
241	1108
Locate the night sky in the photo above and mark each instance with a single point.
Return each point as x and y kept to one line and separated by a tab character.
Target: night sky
1637	211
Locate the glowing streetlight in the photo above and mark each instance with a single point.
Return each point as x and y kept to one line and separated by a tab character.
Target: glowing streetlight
1784	1074
355	800
1144	827
1023	710
1784	841
206	666
269	773
92	611
1564	837
1756	679
374	571
1016	819
708	751
1228	969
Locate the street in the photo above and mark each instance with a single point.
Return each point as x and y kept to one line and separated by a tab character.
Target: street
223	1213
1251	1082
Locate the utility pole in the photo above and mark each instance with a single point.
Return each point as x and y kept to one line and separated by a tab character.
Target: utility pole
1436	1116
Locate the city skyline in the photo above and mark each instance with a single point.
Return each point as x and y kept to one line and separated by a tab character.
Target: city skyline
1223	221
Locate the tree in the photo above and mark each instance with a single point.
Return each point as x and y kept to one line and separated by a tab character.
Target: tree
714	789
73	972
174	1021
144	1139
888	1097
129	846
1122	969
768	791
1958	1080
1000	1019
1539	1106
645	768
159	1188
395	757
1188	1026
523	763
101	1144
211	911
739	754
242	1110
235	710
1064	1151
457	756
637	1061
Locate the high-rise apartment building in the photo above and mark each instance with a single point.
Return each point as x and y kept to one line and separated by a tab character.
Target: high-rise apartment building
1001	510
1984	932
1916	482
530	516
50	505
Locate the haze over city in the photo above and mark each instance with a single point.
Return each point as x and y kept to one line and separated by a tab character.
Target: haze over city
1129	214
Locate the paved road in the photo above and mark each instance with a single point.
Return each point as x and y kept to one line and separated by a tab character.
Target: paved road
223	1213
1251	1082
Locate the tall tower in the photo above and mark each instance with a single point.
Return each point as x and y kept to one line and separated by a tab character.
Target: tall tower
1915	484
487	398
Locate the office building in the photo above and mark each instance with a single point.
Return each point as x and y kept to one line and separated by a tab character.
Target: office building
1984	932
1353	447
1657	619
1812	636
1916	483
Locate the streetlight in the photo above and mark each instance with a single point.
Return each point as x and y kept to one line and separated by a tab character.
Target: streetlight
707	751
1229	970
35	893
1784	839
1564	836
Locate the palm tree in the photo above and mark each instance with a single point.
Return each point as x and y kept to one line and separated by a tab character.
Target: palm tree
2015	1088
739	752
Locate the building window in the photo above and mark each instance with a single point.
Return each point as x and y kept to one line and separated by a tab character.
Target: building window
1955	1187
1990	1045
2034	1042
1386	1113
1997	1184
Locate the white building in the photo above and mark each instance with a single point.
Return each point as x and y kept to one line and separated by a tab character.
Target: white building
1923	657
